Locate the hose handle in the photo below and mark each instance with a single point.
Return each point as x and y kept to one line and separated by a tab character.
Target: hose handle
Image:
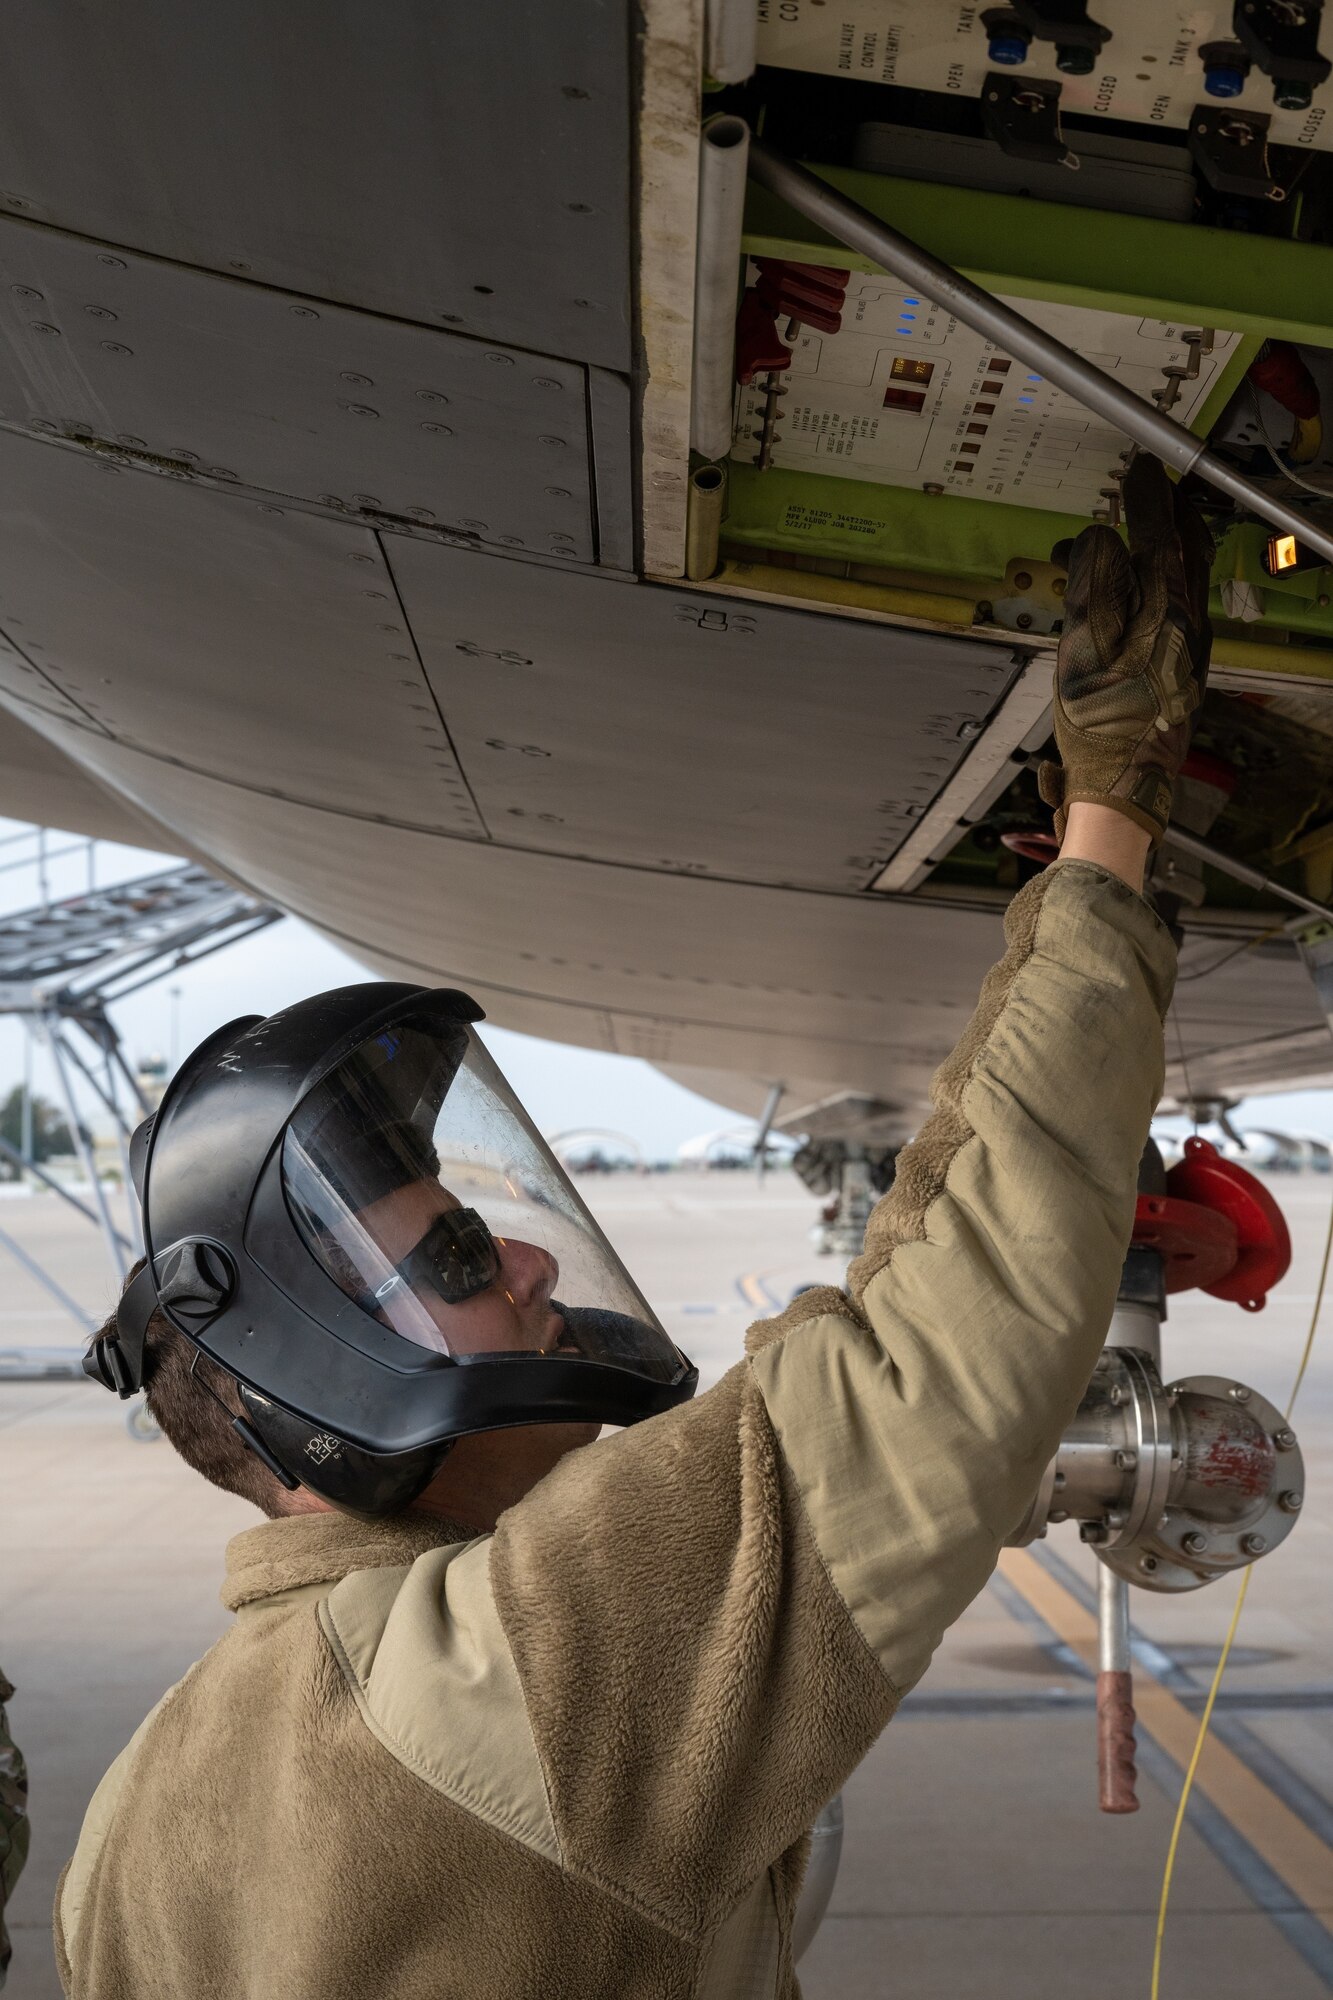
1116	1772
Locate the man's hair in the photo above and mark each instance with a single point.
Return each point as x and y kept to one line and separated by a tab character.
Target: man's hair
178	1380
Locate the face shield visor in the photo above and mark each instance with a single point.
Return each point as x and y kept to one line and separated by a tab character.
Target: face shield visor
417	1181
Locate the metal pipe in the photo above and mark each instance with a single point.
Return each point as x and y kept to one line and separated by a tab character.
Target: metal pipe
1240	871
724	148
731	39
1116	1773
1112	1622
703	521
847	222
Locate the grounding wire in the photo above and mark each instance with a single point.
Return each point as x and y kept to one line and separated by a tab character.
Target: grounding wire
1225	1654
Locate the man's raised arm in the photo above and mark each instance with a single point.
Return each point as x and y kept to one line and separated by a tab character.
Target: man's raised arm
712	1616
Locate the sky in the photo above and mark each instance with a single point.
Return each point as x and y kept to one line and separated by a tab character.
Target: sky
563	1088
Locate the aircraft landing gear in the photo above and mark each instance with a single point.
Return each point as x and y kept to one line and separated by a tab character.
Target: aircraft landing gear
853	1178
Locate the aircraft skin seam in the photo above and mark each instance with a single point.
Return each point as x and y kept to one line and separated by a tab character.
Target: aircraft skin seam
37	668
491	841
286	292
430	693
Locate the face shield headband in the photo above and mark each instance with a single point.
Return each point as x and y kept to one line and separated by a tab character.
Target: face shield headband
410	1263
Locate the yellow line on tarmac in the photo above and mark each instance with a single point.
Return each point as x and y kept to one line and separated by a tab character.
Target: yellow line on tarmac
1294	1853
752	1289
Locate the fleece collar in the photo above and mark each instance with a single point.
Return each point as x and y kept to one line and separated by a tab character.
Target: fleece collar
323	1548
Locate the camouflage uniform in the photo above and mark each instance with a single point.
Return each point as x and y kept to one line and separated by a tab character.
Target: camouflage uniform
13	1820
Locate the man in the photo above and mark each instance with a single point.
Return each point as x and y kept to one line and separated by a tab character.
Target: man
500	1715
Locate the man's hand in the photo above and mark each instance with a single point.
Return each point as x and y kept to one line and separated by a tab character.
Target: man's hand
1133	657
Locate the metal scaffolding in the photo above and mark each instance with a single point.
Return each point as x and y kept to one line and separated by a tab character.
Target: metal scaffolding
63	965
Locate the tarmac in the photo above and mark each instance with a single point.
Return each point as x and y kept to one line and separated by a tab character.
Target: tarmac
976	1865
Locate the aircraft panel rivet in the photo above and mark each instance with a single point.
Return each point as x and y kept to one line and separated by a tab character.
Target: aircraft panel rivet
100	312
438	430
1253	1545
547	382
1290	1503
1022	580
501	360
44	326
24	292
360	410
558	492
431	396
113	263
297	312
114	347
552	440
357	381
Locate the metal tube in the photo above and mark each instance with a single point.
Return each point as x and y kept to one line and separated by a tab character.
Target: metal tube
1240	871
731	39
724	146
1116	1775
1112	1622
847	222
703	521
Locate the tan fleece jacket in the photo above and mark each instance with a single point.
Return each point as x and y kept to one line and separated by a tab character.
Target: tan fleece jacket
578	1757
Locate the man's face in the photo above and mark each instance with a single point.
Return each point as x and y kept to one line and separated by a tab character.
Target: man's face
491	1470
512	1314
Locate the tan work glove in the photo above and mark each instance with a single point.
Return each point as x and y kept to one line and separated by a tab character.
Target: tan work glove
1133	656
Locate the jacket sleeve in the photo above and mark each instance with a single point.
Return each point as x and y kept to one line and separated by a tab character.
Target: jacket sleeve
713	1615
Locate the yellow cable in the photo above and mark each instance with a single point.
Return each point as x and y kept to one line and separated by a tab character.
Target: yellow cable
1225	1654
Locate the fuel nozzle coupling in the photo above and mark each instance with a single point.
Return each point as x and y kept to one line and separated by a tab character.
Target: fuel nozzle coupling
1173	1485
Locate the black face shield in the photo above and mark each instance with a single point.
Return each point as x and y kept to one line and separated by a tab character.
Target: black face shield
347	1208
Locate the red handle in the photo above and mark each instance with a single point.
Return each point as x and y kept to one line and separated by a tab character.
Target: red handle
1116	1774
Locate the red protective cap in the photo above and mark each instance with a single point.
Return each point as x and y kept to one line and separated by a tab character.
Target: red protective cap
1231	1191
1281	374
